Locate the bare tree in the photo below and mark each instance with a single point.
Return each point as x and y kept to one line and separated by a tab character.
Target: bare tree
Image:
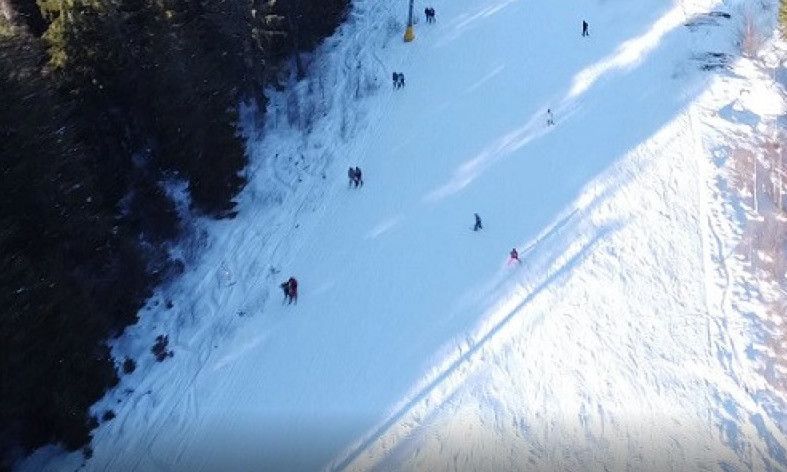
746	247
751	39
779	172
744	164
770	240
771	156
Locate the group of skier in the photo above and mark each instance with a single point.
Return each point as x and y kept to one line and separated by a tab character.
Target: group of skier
513	255
550	117
429	13
355	176
398	80
290	287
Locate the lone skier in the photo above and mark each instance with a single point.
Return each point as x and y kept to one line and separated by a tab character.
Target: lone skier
585	28
478	224
550	118
514	256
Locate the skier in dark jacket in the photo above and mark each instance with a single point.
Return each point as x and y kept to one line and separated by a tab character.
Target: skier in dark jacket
395	80
292	286
585	28
358	177
514	256
285	286
478	224
351	176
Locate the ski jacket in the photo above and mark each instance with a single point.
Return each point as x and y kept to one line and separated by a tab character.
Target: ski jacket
293	286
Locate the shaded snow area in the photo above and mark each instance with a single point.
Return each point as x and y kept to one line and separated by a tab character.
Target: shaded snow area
625	339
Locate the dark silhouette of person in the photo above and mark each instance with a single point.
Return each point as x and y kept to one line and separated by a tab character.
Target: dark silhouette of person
398	80
585	28
285	286
429	15
358	177
478	224
550	118
514	256
351	175
292	287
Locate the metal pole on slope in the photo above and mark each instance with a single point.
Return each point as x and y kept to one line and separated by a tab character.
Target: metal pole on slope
409	34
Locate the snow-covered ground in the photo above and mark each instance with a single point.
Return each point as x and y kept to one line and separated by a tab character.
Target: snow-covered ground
616	344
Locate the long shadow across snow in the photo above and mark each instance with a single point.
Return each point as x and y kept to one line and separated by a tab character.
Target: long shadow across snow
616	112
555	274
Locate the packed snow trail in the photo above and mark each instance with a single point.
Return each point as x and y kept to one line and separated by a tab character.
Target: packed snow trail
413	344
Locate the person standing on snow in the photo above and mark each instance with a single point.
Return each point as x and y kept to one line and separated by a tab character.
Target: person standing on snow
478	224
351	176
292	287
401	79
358	177
514	256
398	80
585	28
285	286
550	118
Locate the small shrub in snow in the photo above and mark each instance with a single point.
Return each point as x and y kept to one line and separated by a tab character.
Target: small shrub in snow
129	365
92	422
159	349
108	415
394	27
710	61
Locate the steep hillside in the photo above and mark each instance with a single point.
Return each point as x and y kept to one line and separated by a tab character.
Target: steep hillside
416	343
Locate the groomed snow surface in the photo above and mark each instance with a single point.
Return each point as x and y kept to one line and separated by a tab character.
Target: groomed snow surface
616	343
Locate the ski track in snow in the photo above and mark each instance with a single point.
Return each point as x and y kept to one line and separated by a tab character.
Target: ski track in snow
619	343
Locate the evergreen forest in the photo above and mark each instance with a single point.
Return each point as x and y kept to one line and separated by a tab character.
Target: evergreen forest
102	102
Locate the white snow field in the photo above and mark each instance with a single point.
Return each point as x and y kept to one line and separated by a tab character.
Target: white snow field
616	343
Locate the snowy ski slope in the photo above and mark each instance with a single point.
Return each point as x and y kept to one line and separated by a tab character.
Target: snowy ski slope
414	344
